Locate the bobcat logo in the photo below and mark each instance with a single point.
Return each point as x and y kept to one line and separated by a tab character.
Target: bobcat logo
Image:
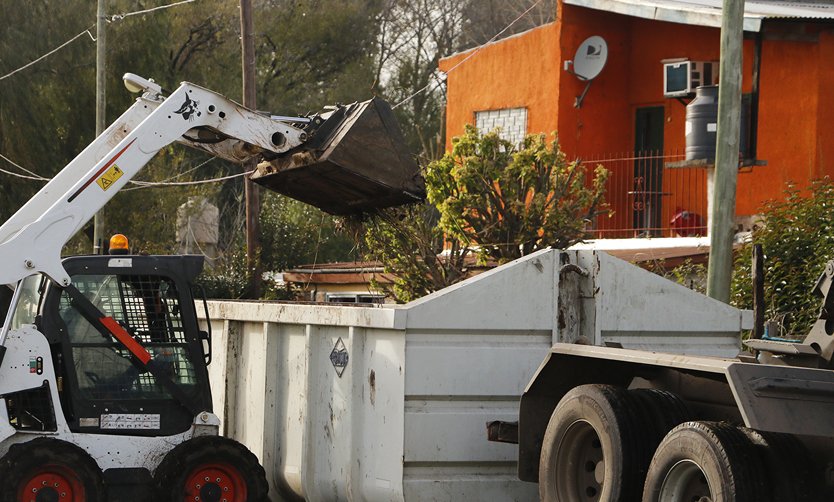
189	109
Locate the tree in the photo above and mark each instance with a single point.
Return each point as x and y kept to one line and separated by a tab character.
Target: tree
511	201
294	233
410	244
492	198
797	237
413	36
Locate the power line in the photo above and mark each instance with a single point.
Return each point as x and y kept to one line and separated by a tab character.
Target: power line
115	17
34	176
467	58
141	184
53	51
149	184
119	17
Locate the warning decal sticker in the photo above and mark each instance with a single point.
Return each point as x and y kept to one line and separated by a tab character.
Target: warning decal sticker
109	177
130	421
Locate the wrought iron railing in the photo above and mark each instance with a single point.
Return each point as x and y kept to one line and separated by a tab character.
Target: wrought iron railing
647	198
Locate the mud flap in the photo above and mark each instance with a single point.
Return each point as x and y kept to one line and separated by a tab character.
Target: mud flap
354	161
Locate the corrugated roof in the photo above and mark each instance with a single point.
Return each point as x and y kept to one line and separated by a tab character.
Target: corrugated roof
708	12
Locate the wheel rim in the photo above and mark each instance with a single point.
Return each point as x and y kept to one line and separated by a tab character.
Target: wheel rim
216	482
580	464
685	482
52	483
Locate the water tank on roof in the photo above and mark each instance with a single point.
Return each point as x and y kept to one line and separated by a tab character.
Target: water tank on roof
702	124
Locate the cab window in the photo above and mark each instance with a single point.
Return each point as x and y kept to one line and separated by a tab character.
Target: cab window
148	307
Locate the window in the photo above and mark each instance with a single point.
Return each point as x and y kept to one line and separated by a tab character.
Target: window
148	308
355	298
27	303
512	123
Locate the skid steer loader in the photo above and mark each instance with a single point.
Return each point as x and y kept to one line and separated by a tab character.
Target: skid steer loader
104	392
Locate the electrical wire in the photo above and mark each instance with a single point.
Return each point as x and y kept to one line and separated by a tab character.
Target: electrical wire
180	175
119	17
34	176
467	58
113	18
188	183
53	51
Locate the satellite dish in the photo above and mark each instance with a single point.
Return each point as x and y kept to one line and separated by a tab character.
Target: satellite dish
590	58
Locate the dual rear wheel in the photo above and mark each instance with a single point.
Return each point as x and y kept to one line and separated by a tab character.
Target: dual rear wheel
608	444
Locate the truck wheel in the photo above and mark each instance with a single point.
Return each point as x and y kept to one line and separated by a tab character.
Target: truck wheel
705	462
661	412
593	448
787	464
211	469
47	469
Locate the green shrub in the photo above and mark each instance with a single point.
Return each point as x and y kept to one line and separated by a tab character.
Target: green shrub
797	238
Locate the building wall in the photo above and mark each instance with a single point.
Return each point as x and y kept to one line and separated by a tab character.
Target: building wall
517	72
795	95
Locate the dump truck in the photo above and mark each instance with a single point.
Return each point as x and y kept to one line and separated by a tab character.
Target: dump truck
610	421
104	389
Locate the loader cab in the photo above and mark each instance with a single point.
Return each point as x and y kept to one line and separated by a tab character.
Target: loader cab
103	388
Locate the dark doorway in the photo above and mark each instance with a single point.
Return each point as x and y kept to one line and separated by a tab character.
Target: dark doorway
647	192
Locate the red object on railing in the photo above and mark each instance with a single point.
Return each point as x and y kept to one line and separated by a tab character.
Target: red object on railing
687	224
644	195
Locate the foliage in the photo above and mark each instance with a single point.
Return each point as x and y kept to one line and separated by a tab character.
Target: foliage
511	201
230	279
488	196
690	274
410	244
305	60
294	233
797	237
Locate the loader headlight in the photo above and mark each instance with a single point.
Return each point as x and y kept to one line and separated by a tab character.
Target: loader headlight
135	83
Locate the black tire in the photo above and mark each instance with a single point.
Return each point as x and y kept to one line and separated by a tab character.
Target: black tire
593	448
231	470
661	411
47	469
789	470
706	461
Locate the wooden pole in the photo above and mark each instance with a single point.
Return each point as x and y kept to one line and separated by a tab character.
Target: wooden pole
101	105
758	291
727	151
252	196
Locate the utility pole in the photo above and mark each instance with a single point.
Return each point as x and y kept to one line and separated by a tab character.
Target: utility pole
252	197
726	152
101	104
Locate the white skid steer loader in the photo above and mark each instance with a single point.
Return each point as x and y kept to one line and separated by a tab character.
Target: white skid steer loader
104	392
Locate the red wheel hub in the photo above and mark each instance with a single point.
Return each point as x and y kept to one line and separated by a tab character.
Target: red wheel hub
50	483
215	482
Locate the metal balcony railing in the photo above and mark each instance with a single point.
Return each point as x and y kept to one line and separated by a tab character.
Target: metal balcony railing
646	198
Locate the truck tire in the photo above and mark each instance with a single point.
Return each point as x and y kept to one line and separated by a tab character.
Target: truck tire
47	469
593	448
706	461
206	467
788	467
661	411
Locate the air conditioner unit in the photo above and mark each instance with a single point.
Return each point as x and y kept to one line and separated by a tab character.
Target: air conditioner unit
681	77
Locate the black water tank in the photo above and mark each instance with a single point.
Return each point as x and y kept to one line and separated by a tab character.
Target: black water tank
702	124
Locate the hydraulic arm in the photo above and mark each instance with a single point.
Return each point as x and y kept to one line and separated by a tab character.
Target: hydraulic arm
32	239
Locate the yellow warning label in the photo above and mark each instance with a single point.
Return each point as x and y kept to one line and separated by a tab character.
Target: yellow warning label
109	177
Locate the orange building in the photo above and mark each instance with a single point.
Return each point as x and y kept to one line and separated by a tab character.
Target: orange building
625	122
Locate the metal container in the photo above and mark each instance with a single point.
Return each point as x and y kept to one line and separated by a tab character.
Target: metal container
354	161
702	124
390	403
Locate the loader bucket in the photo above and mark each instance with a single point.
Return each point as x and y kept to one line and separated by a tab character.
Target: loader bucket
354	160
